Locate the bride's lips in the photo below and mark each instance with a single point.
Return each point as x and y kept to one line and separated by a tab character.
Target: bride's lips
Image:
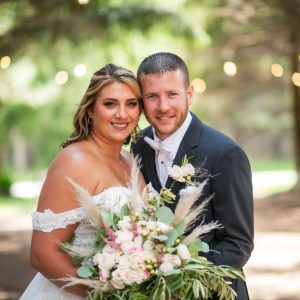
119	126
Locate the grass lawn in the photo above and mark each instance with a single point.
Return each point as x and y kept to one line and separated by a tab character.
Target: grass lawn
272	165
22	205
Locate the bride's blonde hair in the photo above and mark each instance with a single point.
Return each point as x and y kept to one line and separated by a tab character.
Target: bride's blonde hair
106	75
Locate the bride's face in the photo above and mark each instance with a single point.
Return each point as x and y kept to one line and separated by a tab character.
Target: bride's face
115	113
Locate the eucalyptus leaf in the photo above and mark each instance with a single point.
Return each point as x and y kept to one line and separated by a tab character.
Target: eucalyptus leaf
172	236
181	227
124	211
165	215
160	237
76	260
107	218
193	250
84	272
198	243
204	247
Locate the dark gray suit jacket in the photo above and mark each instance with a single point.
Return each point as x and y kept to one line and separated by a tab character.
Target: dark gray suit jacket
230	183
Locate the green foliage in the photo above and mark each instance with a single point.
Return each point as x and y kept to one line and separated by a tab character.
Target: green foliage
165	215
6	181
84	271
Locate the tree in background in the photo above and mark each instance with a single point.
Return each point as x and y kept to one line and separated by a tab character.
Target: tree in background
252	107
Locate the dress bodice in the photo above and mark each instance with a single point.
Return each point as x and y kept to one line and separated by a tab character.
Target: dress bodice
111	199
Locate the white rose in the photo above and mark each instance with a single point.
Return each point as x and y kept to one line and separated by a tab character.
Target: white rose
140	276
164	228
123	236
136	261
173	259
125	223
148	245
128	277
188	170
166	267
138	241
117	279
124	262
104	260
176	173
183	252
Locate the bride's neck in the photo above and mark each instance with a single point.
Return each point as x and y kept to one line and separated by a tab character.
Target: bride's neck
111	150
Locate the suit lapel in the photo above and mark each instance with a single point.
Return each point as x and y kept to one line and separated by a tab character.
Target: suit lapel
188	147
150	167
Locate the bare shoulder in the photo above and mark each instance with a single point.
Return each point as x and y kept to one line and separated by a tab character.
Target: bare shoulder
76	162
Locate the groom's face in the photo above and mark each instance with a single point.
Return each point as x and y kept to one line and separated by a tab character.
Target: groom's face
166	99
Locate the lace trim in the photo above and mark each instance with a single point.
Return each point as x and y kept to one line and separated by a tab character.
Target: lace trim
48	221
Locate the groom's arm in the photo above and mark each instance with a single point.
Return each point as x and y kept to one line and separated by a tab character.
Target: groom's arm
233	208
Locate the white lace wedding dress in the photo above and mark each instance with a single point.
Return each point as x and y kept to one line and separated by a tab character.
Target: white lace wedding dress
112	198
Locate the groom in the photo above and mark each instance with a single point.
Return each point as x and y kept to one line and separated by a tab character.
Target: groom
176	132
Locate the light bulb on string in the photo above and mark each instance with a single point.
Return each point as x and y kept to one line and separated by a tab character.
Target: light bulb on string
277	70
5	62
61	77
230	68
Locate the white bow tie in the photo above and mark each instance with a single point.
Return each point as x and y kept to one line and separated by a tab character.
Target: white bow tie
157	146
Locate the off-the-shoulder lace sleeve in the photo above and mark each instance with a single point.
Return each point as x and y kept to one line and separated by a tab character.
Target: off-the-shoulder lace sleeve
48	221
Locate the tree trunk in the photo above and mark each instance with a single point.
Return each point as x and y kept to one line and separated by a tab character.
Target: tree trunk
296	99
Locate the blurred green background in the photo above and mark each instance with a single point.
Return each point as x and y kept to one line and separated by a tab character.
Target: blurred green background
243	58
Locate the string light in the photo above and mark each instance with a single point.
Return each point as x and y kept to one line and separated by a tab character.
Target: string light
230	68
277	70
5	62
296	79
61	77
199	85
79	70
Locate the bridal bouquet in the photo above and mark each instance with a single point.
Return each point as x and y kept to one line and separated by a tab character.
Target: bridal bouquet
145	251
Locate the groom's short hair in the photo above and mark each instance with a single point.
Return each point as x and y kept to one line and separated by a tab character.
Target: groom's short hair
160	63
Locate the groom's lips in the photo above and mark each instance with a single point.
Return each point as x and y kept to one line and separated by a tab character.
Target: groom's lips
165	118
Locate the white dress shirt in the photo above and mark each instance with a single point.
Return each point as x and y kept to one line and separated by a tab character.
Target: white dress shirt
164	158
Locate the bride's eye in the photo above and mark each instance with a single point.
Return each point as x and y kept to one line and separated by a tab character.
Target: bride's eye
132	103
109	104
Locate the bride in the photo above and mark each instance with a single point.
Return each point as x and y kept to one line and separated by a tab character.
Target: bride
92	157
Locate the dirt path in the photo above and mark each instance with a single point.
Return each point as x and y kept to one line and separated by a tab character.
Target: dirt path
273	271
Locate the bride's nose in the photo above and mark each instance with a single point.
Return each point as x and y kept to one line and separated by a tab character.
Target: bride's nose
121	112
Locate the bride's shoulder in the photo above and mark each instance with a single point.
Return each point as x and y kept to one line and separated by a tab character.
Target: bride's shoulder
74	154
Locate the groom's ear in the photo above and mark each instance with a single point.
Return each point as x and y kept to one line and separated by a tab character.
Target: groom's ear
190	94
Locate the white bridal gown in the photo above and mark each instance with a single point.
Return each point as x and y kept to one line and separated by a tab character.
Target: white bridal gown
112	198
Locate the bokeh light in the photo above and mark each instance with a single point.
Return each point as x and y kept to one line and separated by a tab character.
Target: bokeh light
79	70
61	77
296	79
199	85
83	1
277	70
230	68
5	62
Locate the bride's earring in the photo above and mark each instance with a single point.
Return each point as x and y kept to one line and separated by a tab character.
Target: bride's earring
90	120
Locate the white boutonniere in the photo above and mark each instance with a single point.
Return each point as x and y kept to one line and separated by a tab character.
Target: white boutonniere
184	172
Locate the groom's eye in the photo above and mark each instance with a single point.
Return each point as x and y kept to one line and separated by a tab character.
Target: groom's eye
172	94
151	97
